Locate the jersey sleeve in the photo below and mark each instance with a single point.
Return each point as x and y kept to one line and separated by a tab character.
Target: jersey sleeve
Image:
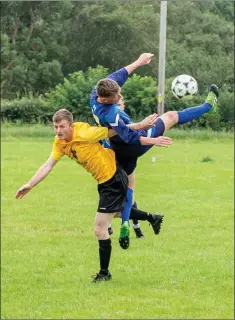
56	153
125	133
92	134
120	76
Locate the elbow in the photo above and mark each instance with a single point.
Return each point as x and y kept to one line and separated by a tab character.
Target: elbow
127	138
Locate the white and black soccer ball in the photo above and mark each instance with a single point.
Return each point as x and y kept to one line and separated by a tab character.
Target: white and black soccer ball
184	85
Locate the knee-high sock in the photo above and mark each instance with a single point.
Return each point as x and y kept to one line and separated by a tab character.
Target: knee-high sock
127	209
140	215
190	114
105	249
135	221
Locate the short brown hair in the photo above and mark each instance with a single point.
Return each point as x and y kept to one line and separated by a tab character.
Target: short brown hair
63	114
107	88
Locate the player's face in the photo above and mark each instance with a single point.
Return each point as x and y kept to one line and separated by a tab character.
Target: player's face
121	103
63	130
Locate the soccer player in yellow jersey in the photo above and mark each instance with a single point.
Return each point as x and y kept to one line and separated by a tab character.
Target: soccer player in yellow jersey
79	141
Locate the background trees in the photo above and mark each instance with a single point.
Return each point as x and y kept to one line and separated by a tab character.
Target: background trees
42	42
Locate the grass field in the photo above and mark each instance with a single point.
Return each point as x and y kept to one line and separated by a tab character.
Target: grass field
49	251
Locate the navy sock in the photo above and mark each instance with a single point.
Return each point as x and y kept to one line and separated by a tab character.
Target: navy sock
190	114
105	249
140	215
125	214
135	207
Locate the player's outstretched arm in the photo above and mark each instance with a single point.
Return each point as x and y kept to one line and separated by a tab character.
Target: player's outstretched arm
159	141
42	172
146	124
143	59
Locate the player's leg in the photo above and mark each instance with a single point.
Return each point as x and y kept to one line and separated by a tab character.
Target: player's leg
136	225
102	221
122	195
154	219
124	239
129	164
172	118
124	231
112	198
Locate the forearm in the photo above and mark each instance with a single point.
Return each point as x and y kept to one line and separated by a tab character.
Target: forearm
125	133
42	172
145	124
145	141
135	126
131	67
143	59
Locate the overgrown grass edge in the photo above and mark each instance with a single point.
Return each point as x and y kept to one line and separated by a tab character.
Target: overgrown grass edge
12	131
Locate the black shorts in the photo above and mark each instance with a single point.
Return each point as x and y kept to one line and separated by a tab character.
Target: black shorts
113	192
128	164
128	154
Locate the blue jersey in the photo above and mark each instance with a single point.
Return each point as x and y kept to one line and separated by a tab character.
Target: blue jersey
111	116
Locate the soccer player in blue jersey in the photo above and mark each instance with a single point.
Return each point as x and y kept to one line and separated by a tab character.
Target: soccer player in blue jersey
127	145
147	123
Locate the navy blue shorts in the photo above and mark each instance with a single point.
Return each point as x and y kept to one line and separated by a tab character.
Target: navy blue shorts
128	154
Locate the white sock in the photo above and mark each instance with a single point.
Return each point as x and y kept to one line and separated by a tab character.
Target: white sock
136	226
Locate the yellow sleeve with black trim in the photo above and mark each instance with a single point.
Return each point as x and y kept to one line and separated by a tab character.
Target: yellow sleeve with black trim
56	152
87	133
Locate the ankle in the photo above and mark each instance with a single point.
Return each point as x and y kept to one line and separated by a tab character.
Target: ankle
150	217
104	272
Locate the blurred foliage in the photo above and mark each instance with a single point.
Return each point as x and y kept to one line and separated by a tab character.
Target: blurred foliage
45	42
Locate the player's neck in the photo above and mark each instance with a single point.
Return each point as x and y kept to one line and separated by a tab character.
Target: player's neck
101	100
105	100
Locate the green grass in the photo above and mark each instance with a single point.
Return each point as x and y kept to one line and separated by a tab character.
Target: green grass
49	250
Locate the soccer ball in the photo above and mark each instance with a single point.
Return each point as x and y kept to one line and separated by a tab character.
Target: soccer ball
184	85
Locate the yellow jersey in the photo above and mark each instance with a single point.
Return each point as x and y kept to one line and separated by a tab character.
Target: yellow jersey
85	149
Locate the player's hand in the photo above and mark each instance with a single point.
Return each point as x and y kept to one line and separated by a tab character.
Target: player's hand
22	191
145	58
149	121
163	141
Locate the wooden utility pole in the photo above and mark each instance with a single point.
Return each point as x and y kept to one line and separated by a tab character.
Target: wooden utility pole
162	58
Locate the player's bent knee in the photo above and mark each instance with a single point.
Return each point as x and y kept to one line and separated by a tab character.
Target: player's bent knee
131	181
101	232
170	118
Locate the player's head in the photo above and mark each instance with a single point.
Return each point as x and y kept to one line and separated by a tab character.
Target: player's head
108	91
63	124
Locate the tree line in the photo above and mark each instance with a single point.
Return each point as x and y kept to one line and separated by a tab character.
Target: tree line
45	42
